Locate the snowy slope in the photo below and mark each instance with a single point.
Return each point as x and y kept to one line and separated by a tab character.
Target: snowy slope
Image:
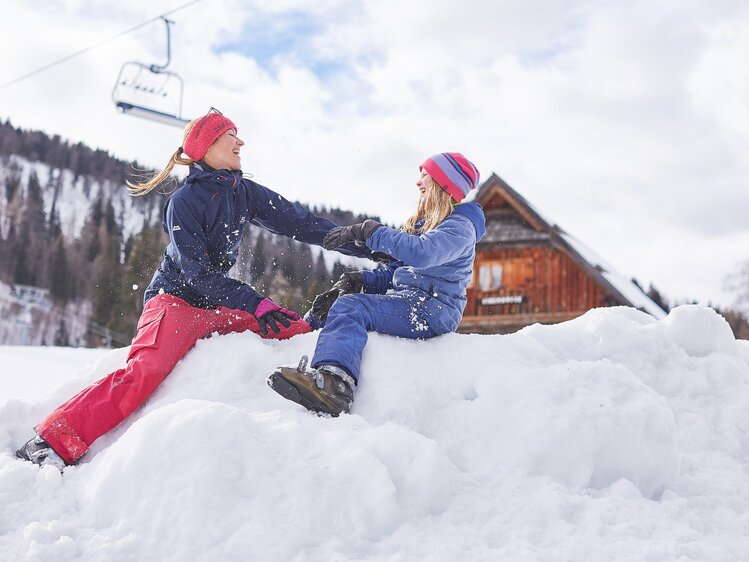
610	437
72	198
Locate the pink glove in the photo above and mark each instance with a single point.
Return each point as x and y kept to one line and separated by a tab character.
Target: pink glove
266	305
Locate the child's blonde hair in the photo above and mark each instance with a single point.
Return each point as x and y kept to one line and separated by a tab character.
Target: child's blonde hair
158	178
434	207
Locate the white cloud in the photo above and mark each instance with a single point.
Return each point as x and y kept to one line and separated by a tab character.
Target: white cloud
719	82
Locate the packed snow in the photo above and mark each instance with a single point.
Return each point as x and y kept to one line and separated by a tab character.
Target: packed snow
614	436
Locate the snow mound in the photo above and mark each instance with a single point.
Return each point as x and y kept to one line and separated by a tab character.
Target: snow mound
699	331
208	461
614	436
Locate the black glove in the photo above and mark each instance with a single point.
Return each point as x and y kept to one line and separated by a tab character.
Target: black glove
349	282
272	319
341	235
382	257
322	303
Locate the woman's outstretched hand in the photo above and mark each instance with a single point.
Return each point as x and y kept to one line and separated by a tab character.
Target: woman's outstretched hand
358	233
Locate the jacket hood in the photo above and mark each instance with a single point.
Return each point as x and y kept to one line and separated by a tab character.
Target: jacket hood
473	212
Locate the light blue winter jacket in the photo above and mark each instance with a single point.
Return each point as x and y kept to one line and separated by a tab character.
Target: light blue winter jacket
438	263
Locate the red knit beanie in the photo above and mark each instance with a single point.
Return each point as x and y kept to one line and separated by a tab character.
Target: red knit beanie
203	134
453	172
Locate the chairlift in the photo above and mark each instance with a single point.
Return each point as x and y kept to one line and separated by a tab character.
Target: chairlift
151	91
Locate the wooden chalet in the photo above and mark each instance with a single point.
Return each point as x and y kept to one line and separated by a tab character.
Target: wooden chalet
528	271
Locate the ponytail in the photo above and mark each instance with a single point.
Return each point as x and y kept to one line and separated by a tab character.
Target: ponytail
150	183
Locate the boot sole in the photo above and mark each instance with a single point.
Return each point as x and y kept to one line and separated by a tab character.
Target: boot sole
283	387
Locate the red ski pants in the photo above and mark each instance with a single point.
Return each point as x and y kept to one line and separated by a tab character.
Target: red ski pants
167	329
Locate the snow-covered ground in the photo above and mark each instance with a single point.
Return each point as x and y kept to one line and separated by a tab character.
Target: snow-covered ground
610	437
30	373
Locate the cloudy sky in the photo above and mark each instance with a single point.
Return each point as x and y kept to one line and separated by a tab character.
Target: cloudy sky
624	122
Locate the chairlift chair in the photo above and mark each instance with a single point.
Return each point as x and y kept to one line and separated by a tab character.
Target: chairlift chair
151	91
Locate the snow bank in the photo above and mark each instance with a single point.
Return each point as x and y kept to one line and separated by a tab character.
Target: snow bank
610	437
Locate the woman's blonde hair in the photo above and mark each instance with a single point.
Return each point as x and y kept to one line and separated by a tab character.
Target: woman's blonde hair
434	207
159	178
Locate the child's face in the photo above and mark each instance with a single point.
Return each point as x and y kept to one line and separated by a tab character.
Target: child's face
424	181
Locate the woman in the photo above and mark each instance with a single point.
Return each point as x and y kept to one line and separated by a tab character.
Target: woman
190	295
420	296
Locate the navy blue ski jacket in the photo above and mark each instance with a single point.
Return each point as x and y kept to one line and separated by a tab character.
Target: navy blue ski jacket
205	220
438	263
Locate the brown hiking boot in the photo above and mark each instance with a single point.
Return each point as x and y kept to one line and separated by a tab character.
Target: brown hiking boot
326	390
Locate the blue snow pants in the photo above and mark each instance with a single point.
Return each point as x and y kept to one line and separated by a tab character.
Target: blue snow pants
413	315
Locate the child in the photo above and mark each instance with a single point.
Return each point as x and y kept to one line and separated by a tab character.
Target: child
191	294
420	296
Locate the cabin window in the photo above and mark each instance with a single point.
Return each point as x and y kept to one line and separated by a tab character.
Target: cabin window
490	276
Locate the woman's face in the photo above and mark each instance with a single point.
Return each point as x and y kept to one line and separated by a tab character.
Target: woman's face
423	183
223	154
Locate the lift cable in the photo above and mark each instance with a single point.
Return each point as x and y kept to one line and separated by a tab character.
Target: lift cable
100	43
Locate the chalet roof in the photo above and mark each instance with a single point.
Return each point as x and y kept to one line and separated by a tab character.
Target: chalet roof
508	226
511	219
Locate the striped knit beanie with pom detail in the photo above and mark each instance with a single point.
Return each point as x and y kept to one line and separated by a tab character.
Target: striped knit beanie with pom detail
204	133
453	172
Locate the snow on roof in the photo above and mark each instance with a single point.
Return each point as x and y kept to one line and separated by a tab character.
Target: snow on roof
627	288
